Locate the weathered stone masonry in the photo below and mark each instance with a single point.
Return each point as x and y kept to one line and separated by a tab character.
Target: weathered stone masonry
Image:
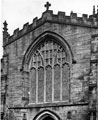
50	68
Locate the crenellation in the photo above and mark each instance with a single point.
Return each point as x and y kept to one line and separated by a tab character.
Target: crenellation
89	22
24	30
15	33
47	15
95	23
25	26
30	27
73	15
39	22
80	20
67	19
10	39
20	33
60	17
84	18
61	13
54	17
91	19
35	21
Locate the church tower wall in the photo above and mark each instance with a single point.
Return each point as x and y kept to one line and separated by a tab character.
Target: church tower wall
76	32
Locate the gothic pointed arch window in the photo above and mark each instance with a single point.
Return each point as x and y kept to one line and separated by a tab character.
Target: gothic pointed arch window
49	72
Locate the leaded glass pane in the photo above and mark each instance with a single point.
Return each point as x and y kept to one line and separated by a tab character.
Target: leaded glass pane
40	84
48	83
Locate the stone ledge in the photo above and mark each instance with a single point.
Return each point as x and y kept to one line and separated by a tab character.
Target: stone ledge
95	35
58	104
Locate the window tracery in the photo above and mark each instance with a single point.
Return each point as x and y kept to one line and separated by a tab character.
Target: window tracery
49	73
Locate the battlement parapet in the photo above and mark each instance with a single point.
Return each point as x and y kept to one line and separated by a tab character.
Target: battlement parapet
59	18
15	33
47	15
25	27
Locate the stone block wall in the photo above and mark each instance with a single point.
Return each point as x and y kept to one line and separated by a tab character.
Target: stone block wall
16	52
77	112
79	40
77	35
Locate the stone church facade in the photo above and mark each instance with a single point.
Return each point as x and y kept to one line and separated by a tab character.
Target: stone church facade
50	68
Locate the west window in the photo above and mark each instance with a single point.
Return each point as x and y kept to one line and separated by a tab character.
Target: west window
49	73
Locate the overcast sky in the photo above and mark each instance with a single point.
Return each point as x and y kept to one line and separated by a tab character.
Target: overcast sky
18	12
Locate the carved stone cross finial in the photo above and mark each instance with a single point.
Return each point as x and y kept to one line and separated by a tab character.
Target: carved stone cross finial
47	5
5	26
